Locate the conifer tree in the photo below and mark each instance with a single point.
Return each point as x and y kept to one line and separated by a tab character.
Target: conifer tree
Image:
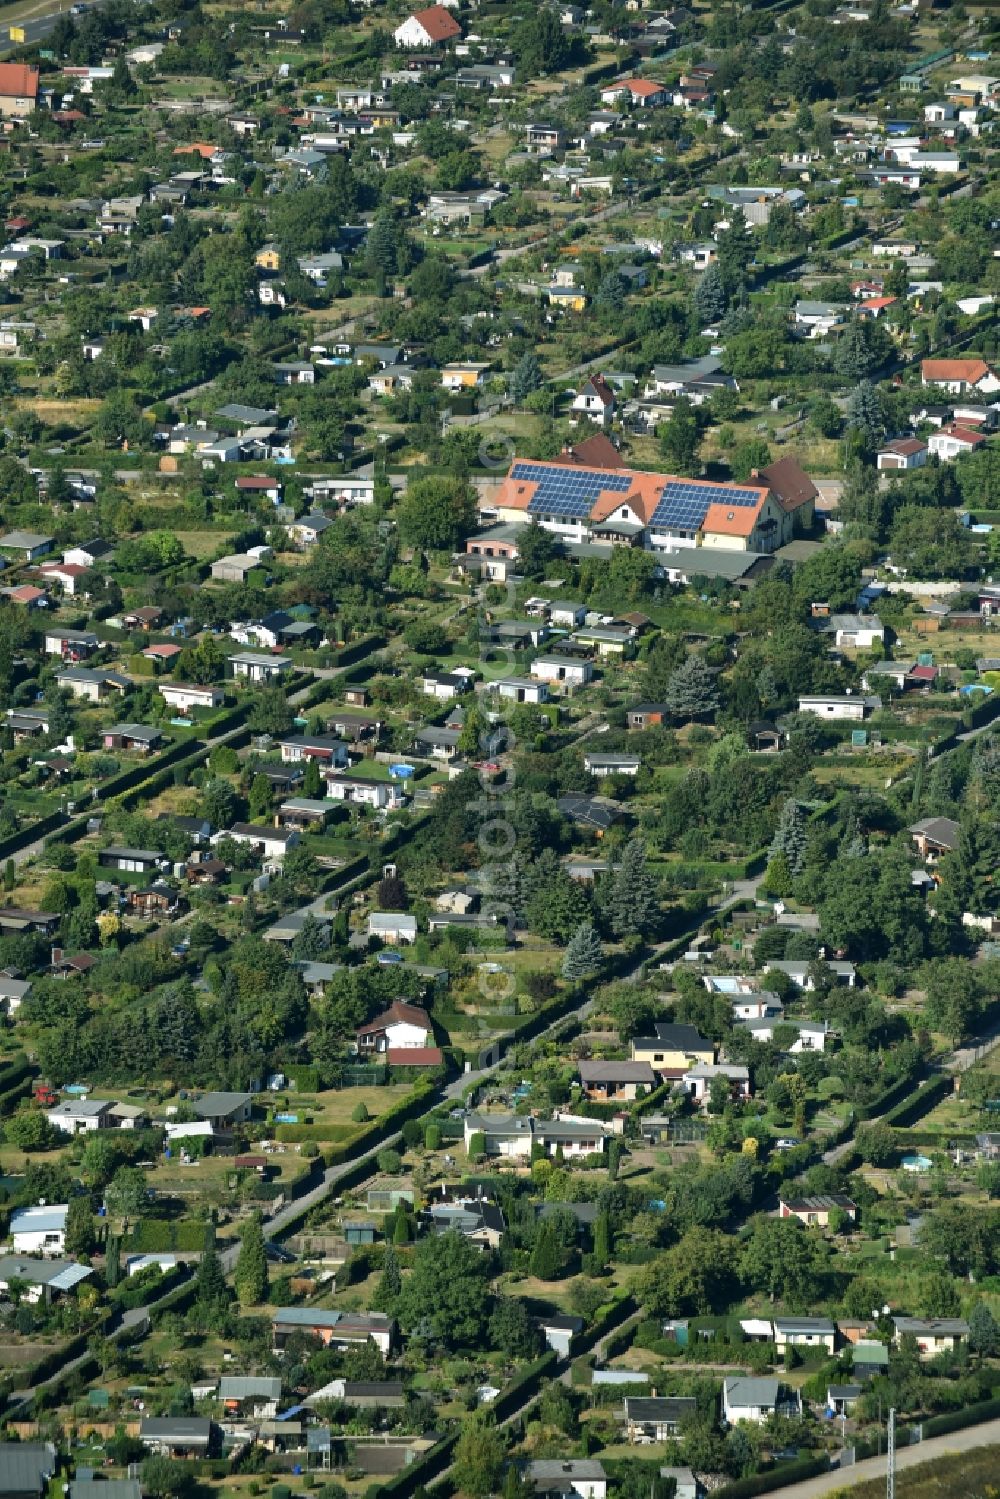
710	299
390	1283
691	691
583	954
250	1278
630	900
790	836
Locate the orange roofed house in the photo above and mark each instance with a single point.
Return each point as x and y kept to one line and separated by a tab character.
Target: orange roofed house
657	511
960	376
18	90
427	28
641	92
204	149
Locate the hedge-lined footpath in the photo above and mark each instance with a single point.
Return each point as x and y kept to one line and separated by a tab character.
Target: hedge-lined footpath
776	1478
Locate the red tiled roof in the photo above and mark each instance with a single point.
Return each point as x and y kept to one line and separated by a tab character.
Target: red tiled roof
438	23
970	370
18	81
788	482
414	1056
594	452
639	88
257	481
963	434
923	673
720	520
905	446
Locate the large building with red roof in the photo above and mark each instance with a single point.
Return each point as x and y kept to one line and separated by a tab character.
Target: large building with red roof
18	89
661	512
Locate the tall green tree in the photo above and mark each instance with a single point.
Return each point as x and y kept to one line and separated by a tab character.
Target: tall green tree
790	836
437	513
479	1457
445	1298
628	895
691	691
584	953
696	1276
113	1261
540	44
526	377
735	252
679	438
210	1280
80	1238
778	1259
555	903
390	1283
250	1277
864	416
711	300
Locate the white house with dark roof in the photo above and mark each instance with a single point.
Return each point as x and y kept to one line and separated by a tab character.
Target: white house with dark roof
594	401
583	1477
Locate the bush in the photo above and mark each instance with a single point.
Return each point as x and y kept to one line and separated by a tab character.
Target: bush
390	1162
432	1137
360	1114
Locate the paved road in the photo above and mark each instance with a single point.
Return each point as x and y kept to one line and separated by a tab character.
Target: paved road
841	1481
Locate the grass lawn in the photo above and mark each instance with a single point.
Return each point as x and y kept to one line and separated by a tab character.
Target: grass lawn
202	544
336	1105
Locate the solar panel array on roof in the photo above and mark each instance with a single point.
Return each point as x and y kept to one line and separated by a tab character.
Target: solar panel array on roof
568	492
683	507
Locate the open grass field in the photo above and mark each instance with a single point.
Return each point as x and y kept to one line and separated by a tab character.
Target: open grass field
202	544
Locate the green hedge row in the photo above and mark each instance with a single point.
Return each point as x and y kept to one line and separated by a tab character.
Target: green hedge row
300	1134
777	1478
524	1385
613	1318
422	1472
883	1102
935	1139
920	1103
15	1071
972	1415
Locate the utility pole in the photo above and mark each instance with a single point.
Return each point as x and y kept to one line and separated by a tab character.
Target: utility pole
890	1472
